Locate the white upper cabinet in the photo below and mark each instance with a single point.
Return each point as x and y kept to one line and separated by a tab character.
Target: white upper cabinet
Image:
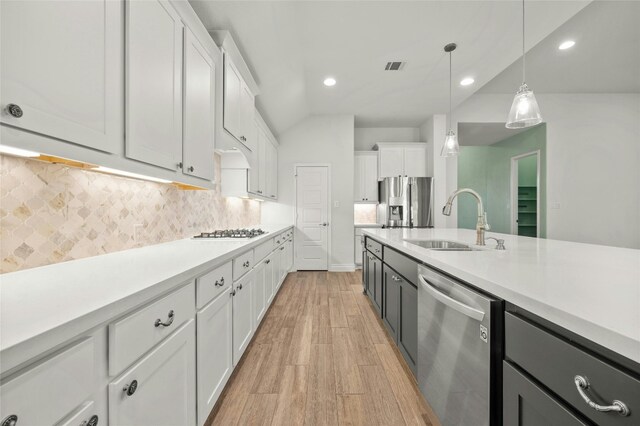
263	174
415	161
402	159
239	105
199	105
154	83
366	177
272	170
61	70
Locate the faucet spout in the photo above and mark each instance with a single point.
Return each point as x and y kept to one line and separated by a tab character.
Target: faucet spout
481	225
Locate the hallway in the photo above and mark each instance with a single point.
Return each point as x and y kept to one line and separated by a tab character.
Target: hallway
321	357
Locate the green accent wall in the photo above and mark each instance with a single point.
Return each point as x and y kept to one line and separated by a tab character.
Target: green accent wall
487	170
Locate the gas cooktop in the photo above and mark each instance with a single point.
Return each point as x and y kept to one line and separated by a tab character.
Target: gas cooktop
231	233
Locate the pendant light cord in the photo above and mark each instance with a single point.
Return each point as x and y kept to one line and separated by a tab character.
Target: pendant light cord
523	51
450	116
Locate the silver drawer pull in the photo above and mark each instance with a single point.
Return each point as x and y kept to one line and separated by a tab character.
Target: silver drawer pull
582	384
268	261
396	278
170	317
93	421
246	264
130	388
219	283
10	420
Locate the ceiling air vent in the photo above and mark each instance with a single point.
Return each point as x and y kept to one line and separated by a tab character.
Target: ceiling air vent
394	66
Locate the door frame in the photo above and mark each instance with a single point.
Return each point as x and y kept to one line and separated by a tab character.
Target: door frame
295	212
514	191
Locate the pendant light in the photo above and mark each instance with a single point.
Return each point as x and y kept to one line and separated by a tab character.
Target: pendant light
524	109
450	148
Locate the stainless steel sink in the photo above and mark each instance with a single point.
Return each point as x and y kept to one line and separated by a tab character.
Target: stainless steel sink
442	245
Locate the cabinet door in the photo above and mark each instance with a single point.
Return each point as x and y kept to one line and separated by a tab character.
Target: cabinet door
272	172
367	273
370	177
524	403
232	88
357	250
214	351
261	146
160	389
242	316
277	258
199	100
377	284
290	255
415	162
408	326
62	65
269	283
391	161
154	83
254	171
391	301
258	290
283	262
247	117
358	179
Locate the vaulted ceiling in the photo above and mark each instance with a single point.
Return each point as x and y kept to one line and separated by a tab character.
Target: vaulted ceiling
291	46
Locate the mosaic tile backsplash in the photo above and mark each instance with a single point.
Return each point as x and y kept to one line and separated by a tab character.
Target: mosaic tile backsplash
51	213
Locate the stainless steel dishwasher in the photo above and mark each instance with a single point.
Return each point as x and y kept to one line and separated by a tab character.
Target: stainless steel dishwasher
457	363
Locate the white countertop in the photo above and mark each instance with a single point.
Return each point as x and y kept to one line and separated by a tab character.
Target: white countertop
591	290
74	296
367	225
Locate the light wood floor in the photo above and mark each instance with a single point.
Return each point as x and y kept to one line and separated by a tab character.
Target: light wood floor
321	357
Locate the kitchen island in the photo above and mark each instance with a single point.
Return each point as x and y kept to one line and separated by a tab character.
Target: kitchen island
563	325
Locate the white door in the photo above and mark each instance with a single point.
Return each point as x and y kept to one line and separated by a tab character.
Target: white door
242	316
370	177
258	294
62	66
312	217
154	83
232	87
415	162
199	100
391	162
215	351
160	389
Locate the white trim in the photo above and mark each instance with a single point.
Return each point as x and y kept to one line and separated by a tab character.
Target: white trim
514	191
295	207
346	267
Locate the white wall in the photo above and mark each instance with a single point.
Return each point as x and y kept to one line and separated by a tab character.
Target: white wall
367	137
593	162
320	139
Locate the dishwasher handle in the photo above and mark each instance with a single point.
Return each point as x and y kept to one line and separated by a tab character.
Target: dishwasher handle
451	302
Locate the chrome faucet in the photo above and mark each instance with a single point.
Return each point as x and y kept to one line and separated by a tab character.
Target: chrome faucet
481	225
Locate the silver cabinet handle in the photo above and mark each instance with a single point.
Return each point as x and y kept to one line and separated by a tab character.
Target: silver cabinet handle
582	384
268	261
191	168
93	421
451	302
232	293
246	264
281	248
179	165
10	420
324	224
130	388
219	283
15	111
396	278
170	318
278	242
239	287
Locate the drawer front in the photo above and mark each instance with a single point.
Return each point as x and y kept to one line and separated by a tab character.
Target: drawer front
279	239
555	363
406	266
51	390
263	250
374	247
132	336
86	415
242	264
213	283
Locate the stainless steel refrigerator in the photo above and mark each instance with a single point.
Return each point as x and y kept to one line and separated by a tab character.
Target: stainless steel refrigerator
406	202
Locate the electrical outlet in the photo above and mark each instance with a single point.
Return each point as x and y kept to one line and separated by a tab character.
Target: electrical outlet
336	204
138	228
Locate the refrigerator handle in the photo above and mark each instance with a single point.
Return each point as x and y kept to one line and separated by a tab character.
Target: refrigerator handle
451	302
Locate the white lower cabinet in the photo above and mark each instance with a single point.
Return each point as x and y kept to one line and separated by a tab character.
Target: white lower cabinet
160	389
214	354
258	294
277	269
242	315
269	282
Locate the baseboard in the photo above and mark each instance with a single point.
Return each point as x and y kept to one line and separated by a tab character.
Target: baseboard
347	267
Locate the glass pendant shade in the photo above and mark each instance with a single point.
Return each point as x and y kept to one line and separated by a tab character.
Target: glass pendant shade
450	148
524	110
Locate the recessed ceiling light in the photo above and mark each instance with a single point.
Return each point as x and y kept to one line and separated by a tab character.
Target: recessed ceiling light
466	81
566	44
329	81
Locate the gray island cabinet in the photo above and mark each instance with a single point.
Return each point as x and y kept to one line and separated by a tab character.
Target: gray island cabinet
545	375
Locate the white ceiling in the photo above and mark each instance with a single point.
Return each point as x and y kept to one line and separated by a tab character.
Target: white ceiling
482	134
291	46
605	58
